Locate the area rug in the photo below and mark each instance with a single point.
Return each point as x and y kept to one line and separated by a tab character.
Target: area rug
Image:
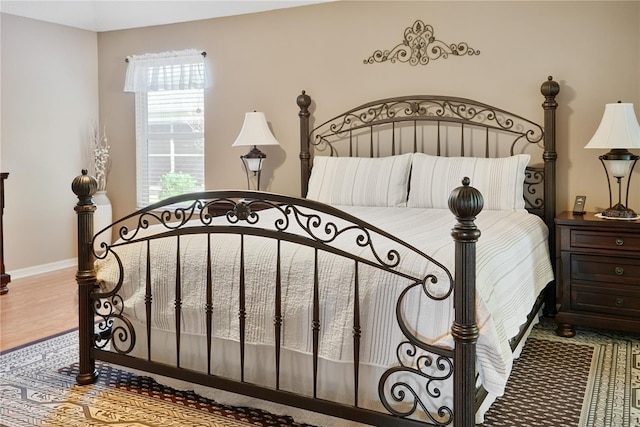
592	380
37	387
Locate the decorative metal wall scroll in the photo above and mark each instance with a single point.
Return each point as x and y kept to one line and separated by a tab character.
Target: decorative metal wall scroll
419	47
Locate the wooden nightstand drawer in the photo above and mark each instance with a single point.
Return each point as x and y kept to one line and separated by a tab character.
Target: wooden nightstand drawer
607	269
619	301
599	273
605	240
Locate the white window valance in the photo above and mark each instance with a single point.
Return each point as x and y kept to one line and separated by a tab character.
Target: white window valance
176	70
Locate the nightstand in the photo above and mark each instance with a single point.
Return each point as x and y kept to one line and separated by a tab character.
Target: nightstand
599	273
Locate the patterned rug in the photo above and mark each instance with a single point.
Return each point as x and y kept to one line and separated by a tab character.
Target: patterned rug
37	387
592	380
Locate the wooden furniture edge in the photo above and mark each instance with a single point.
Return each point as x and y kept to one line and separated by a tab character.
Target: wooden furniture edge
4	277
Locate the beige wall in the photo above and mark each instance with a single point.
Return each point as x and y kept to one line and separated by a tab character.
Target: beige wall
49	98
263	61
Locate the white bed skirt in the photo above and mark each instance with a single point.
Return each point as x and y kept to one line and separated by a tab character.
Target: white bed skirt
335	378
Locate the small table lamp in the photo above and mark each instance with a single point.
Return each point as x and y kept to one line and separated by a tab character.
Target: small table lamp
255	131
618	131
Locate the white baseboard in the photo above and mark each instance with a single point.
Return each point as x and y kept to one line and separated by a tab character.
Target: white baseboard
40	269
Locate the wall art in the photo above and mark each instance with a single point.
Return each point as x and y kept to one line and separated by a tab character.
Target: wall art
419	47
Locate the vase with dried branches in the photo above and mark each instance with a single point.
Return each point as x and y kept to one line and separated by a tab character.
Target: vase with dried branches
101	160
103	216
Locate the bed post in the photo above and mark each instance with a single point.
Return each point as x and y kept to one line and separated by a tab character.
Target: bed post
85	186
550	89
466	203
303	102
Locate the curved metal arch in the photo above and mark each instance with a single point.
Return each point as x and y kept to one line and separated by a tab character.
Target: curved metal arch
426	108
175	212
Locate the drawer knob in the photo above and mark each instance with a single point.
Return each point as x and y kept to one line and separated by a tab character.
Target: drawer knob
619	271
619	241
619	302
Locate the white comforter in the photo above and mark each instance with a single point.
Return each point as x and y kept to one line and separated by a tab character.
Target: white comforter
512	268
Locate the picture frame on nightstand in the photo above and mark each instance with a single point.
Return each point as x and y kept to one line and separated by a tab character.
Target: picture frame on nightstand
578	206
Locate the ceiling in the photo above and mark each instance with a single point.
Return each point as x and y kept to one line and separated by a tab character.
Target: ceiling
108	15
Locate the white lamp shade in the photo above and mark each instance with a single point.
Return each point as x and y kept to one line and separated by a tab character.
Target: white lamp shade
255	131
618	129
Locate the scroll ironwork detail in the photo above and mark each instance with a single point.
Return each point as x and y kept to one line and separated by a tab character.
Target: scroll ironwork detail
417	374
419	47
111	326
426	109
533	180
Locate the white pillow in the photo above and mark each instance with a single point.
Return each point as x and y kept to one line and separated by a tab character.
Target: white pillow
360	181
500	180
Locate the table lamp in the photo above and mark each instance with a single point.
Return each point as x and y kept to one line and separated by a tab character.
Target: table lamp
618	131
255	131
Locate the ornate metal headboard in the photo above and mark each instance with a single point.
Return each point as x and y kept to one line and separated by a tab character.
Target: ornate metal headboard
443	126
437	125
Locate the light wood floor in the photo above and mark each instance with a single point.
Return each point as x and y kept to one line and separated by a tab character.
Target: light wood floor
37	307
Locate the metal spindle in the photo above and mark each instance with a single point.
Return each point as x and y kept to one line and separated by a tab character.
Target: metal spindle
356	335
148	298
178	301
316	324
439	140
278	317
242	312
371	142
209	304
393	138
350	143
486	142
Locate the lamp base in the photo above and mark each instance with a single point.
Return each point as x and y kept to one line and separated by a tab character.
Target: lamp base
619	211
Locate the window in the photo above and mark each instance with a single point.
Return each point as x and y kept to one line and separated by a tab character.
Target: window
170	144
169	124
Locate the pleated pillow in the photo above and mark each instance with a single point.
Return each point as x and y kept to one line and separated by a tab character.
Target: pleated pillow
500	180
360	181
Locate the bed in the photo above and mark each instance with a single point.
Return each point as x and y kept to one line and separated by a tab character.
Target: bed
396	291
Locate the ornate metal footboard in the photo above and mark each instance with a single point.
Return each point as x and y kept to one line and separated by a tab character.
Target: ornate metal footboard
106	334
